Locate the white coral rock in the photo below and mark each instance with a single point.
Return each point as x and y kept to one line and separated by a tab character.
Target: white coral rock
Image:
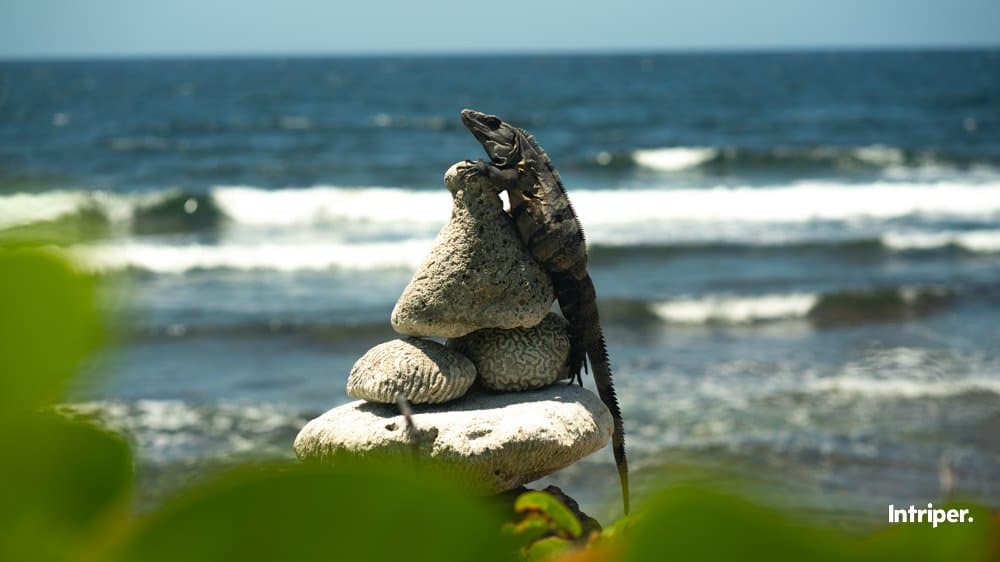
499	441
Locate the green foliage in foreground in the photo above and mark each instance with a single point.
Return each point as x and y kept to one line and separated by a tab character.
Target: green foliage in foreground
66	487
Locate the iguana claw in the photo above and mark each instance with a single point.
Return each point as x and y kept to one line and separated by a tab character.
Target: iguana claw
471	168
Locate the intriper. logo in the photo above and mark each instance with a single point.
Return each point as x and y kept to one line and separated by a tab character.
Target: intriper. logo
929	515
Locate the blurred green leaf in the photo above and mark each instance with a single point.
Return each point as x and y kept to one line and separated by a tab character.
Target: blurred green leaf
61	481
622	525
548	549
48	323
355	511
692	524
530	528
563	520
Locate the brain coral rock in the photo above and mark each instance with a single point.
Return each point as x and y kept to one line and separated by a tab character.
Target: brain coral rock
520	358
422	371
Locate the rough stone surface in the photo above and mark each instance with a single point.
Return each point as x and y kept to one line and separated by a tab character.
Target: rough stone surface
500	441
423	371
478	274
521	358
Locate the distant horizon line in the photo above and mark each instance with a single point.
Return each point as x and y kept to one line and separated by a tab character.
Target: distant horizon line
633	51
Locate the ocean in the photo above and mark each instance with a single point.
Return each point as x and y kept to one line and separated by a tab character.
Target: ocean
797	255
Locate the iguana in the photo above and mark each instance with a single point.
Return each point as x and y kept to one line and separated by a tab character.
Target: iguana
550	230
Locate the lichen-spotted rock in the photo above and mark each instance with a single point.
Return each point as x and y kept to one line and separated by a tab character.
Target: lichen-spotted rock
499	441
478	274
521	358
423	371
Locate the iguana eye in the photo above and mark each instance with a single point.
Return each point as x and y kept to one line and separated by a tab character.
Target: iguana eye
492	122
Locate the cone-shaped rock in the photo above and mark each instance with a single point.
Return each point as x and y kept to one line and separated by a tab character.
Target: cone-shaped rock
478	274
500	441
422	371
521	358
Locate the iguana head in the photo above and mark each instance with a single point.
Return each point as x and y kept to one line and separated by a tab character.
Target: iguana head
500	140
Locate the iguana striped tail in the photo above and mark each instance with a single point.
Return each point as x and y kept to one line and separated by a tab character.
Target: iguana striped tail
578	302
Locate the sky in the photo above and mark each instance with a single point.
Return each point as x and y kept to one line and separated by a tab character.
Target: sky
82	28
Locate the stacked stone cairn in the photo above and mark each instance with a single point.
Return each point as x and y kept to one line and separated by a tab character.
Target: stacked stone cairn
491	402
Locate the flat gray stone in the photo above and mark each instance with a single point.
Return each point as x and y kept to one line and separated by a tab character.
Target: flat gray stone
500	441
423	371
521	358
478	274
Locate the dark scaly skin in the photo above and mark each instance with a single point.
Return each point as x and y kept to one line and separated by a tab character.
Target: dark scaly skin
550	230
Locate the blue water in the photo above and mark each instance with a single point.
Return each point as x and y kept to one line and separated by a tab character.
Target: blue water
797	255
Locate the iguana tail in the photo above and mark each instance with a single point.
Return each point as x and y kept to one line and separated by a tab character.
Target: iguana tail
568	293
606	390
578	301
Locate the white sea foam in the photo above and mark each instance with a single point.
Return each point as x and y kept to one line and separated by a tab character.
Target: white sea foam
168	258
25	208
798	203
672	159
325	204
906	388
735	310
879	154
171	430
635	209
983	241
246	205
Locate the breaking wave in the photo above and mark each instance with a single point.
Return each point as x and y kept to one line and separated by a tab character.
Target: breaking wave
798	203
735	310
167	258
821	308
795	203
979	241
241	205
906	388
830	159
326	204
673	159
173	231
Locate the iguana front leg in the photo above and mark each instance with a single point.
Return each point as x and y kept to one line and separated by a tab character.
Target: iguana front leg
504	178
